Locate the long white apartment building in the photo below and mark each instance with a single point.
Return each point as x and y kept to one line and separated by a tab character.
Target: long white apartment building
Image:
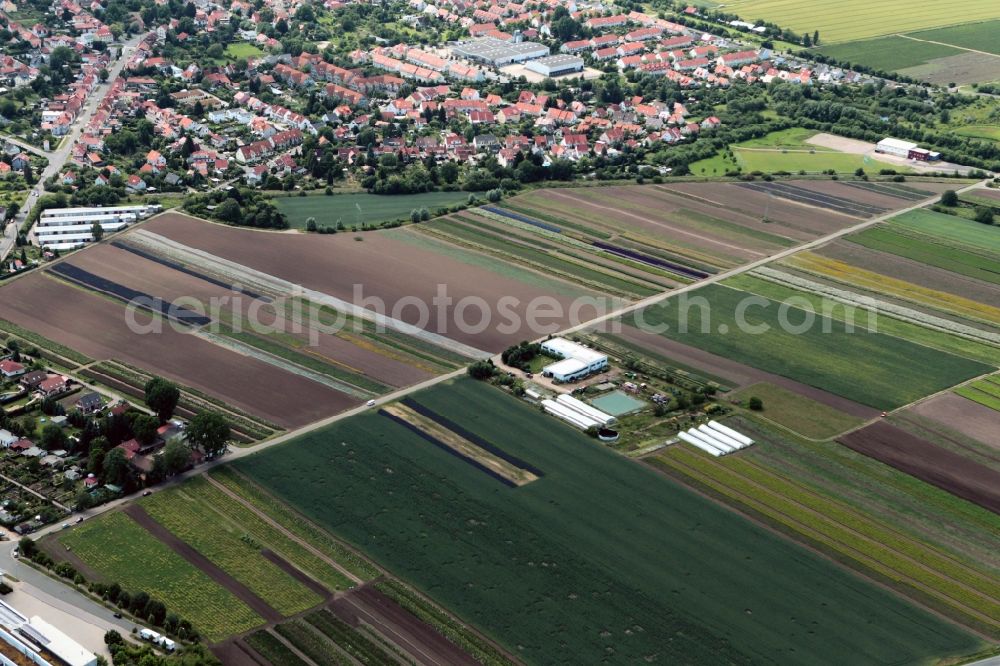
68	228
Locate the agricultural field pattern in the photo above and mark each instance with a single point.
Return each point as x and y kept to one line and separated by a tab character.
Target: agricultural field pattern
377	506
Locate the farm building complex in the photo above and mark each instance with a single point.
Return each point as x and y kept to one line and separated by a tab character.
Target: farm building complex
906	149
67	228
577	361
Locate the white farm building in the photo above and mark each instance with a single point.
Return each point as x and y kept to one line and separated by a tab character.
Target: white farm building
577	361
905	149
67	228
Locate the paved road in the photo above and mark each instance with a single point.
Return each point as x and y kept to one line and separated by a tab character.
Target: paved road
57	159
73	597
24	144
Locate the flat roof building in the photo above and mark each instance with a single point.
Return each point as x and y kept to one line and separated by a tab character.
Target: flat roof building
497	53
577	361
67	228
557	65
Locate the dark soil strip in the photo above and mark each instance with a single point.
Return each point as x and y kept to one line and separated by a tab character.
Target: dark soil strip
237	653
811	198
447	449
238	589
399	626
928	462
128	295
290	569
181	268
471	436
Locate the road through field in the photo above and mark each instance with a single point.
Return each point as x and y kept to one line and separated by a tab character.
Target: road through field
77	599
954	46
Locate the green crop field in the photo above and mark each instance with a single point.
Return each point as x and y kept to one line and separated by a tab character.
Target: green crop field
194	521
948	227
905	562
889	53
236	518
362	208
871	368
600	560
921	335
859	19
976	36
902	240
991	132
121	551
798	413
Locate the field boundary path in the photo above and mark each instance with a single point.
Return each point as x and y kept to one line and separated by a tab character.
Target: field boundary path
189	553
954	46
281	528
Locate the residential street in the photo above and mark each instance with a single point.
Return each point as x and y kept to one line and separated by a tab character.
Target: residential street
58	158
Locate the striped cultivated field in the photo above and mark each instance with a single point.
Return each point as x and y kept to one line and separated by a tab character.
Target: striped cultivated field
859	19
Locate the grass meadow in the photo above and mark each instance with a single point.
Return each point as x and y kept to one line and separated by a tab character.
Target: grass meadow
362	208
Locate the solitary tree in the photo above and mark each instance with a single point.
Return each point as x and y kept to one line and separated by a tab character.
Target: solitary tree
984	215
162	397
208	432
755	404
97	231
949	198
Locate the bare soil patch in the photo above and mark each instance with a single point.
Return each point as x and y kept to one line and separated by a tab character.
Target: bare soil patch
738	373
841	144
928	462
964	416
784	214
397	625
859	195
98	328
960	68
235	652
295	573
239	590
173	286
379	266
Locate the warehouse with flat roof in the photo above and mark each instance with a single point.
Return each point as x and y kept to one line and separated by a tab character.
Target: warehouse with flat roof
498	53
577	361
557	65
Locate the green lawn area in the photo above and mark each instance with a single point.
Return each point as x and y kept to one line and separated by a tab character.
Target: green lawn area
871	368
242	51
795	161
991	132
798	413
601	560
120	550
786	150
362	208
